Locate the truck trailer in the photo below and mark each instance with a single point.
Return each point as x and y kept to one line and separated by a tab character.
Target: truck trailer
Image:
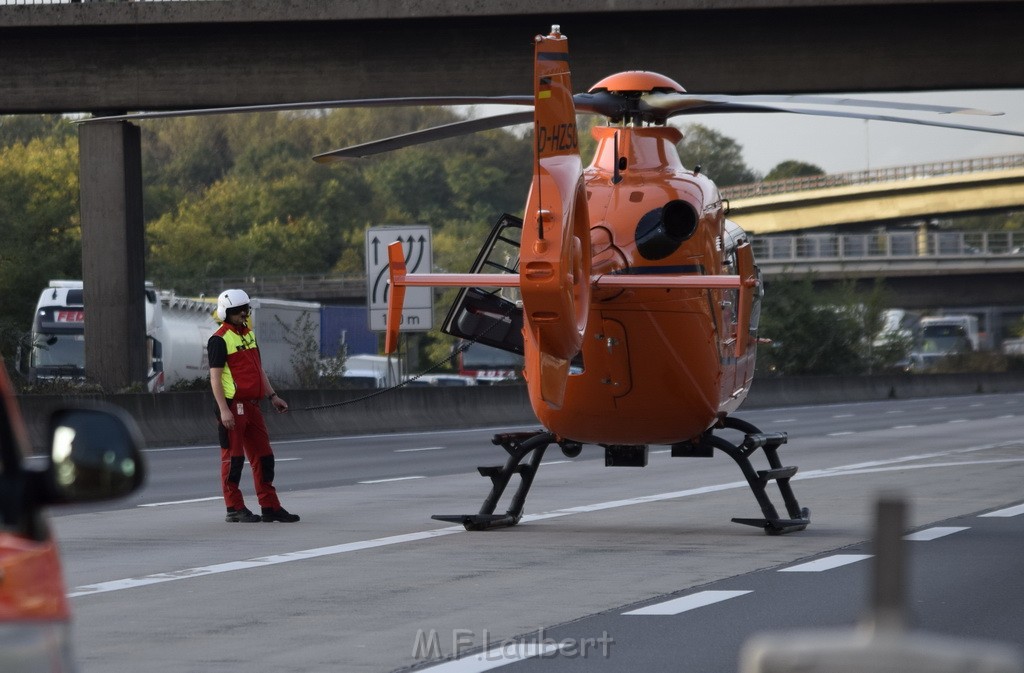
177	329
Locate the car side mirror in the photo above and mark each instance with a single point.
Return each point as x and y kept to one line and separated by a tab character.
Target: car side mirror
96	454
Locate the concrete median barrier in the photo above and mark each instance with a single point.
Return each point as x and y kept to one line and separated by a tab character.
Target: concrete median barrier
188	418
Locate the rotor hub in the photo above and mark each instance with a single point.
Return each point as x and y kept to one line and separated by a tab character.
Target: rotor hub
637	81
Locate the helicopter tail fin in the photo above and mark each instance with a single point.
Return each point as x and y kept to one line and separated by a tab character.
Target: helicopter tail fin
396	298
555	252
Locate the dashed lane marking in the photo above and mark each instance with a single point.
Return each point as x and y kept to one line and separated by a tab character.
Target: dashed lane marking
827	563
933	533
386	481
1009	511
691	602
181	502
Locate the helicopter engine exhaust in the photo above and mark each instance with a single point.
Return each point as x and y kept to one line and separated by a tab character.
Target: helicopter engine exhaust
661	231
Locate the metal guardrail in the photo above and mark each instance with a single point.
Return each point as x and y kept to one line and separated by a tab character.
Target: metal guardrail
895	174
893	245
795	249
294	287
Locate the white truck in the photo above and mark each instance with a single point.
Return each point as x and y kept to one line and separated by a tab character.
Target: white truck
942	336
280	327
372	371
177	329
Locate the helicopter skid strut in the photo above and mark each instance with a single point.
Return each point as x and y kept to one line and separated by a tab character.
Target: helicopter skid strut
520	445
769	443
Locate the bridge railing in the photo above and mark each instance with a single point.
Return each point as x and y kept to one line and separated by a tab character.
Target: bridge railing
909	244
895	174
798	248
294	286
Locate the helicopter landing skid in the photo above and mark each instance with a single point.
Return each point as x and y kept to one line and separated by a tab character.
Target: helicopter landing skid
769	442
518	445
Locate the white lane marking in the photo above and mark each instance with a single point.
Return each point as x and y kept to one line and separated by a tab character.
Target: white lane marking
202	571
1007	416
976	405
933	533
839	434
785	420
385	481
903	427
284	460
1009	511
958	420
895	411
692	602
827	563
340	438
181	502
841	470
509	653
844	415
556	462
425	448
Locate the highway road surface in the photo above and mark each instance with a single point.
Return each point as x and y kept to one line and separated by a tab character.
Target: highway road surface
612	569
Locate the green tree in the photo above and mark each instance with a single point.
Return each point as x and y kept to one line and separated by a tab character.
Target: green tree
20	129
810	333
39	226
793	169
720	157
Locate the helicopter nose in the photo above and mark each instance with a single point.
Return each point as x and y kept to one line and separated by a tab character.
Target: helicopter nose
661	231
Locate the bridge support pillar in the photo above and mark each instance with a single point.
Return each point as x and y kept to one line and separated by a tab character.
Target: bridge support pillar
113	253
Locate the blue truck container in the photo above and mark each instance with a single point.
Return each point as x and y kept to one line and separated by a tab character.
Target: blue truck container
349	325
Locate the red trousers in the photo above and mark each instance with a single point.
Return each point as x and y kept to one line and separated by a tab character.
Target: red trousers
248	439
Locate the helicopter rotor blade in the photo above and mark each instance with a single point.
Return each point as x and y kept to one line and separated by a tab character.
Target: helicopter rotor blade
675	103
847	114
318	105
446	131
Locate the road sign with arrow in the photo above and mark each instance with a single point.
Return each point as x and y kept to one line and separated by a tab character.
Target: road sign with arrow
418	312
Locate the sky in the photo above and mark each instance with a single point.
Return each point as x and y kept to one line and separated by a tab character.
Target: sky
841	145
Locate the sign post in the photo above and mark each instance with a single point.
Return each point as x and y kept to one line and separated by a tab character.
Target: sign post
418	312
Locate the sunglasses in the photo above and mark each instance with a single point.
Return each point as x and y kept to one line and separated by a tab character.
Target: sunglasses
238	309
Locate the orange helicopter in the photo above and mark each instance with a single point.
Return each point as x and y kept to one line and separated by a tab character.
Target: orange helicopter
633	298
639	299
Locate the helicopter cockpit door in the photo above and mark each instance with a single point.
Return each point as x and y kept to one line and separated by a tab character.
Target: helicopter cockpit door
492	316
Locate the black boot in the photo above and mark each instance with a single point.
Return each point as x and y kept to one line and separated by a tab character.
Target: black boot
279	514
241	515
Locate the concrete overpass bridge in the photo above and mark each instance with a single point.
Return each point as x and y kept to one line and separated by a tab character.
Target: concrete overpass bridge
149	55
902	194
922	269
64	56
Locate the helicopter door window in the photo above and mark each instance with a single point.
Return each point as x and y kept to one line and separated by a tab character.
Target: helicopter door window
492	316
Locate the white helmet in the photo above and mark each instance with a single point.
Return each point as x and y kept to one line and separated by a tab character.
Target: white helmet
230	299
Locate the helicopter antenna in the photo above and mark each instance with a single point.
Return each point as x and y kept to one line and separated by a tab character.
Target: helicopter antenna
616	176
